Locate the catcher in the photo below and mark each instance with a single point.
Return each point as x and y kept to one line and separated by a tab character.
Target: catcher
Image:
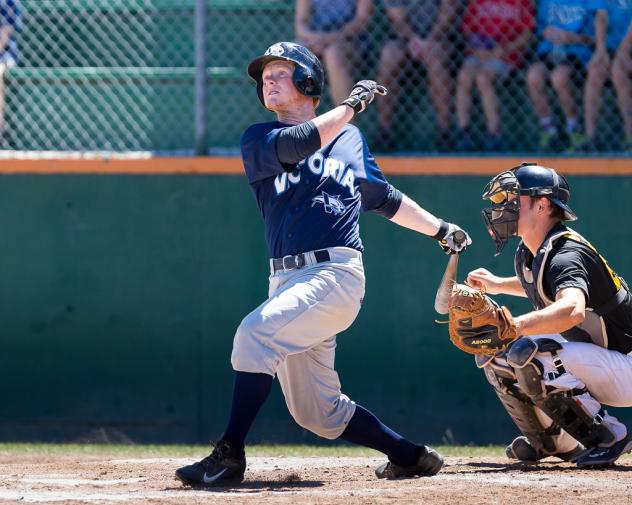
554	367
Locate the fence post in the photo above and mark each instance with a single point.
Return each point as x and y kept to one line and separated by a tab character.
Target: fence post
201	79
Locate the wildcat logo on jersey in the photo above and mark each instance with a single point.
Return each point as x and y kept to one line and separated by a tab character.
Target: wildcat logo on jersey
318	165
332	204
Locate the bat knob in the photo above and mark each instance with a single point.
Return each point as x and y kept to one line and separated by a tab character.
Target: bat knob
459	237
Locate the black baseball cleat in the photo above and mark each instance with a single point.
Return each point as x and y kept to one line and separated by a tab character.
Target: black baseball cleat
225	465
605	456
428	464
522	450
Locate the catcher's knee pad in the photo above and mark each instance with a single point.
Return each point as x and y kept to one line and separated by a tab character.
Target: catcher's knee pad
529	371
518	405
562	406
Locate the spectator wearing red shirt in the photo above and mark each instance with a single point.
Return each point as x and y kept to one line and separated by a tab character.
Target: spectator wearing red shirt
496	34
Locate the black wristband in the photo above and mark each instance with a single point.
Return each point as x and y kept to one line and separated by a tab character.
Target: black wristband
443	230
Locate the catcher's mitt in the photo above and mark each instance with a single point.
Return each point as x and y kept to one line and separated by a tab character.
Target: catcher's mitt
477	324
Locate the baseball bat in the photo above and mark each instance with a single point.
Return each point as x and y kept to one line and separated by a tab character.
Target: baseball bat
449	277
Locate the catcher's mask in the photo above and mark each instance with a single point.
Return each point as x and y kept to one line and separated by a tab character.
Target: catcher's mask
527	179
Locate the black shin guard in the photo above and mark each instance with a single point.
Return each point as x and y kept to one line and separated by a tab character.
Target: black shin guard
563	407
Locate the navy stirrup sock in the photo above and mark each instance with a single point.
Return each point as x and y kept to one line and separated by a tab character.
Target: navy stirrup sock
367	430
250	391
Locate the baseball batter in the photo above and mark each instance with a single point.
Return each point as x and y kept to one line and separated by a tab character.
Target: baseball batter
311	176
574	349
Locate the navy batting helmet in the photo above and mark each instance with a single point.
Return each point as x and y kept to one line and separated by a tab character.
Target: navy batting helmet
308	77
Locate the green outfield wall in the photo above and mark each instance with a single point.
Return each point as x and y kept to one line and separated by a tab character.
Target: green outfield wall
120	296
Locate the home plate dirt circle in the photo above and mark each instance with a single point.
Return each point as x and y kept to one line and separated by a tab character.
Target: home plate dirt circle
318	480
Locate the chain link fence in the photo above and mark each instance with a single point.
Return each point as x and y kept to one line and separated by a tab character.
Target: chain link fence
465	75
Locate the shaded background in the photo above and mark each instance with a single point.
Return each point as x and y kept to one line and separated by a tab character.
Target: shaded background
119	75
120	296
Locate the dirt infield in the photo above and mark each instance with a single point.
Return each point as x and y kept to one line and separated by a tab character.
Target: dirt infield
318	480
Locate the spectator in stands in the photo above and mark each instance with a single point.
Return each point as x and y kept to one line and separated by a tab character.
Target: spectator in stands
421	31
617	63
496	33
335	30
567	29
10	22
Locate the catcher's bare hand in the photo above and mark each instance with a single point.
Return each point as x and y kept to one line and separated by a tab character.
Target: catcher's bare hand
483	279
362	94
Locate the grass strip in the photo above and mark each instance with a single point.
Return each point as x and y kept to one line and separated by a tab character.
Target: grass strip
194	451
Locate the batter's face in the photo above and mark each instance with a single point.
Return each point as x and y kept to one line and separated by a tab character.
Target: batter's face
279	92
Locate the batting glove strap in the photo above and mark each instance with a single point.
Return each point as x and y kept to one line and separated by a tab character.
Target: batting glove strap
443	230
355	103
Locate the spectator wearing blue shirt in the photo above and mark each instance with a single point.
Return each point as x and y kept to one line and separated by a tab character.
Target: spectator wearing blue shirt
616	63
335	30
10	22
567	30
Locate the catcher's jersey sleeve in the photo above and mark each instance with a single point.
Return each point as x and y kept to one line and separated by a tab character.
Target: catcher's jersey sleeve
574	265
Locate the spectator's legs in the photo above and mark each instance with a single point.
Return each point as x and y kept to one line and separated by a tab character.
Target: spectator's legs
465	81
593	97
3	69
338	59
392	58
621	70
536	83
485	80
561	79
440	83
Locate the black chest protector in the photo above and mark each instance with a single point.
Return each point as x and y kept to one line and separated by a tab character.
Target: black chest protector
530	272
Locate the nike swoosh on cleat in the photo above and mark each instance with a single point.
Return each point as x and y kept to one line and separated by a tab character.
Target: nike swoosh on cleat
210	480
627	448
599	454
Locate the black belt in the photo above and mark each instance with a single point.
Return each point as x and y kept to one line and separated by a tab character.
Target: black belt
296	261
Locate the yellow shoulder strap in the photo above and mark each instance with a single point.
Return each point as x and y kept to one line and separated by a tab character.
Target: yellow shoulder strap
578	238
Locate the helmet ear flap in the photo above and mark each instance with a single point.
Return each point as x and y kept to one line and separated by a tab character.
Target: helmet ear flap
303	81
309	85
260	92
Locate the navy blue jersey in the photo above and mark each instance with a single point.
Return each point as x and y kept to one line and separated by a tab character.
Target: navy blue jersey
318	204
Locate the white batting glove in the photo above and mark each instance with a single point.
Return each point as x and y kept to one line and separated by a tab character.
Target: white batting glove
450	243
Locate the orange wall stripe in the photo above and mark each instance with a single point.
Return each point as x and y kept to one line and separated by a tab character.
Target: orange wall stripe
231	165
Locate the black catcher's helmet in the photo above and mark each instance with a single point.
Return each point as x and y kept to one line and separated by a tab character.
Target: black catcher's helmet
527	179
309	76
